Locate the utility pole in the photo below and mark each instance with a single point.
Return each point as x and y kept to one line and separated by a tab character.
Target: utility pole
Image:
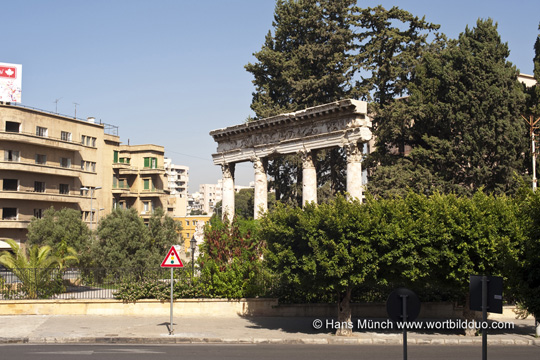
532	126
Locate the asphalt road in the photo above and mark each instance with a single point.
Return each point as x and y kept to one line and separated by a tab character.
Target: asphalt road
281	352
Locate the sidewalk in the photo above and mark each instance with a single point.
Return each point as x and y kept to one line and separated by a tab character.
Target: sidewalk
240	330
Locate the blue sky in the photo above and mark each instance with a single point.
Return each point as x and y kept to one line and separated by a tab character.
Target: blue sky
168	72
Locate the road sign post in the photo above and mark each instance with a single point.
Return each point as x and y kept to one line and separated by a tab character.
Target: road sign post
403	306
172	260
485	295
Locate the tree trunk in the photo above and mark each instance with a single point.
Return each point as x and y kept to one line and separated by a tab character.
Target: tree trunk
537	326
344	327
470	316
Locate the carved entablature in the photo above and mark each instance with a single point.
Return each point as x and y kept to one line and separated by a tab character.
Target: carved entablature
335	124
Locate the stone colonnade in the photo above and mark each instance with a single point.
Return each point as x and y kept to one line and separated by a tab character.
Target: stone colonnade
339	124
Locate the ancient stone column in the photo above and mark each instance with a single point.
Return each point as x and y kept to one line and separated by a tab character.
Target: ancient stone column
309	177
261	187
354	171
227	203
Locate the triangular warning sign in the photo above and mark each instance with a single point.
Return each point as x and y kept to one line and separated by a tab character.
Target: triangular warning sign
172	259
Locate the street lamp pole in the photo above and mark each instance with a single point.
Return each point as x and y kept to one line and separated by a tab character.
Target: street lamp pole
193	246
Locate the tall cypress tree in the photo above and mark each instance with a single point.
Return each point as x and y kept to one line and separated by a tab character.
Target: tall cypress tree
534	92
465	108
305	62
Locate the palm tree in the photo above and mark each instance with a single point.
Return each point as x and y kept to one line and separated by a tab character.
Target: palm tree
34	268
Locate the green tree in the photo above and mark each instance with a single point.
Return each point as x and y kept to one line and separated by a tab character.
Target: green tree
164	231
528	269
306	61
463	106
34	269
62	230
321	250
230	259
391	42
124	241
533	103
434	243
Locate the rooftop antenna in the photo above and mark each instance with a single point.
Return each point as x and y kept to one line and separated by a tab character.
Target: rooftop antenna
56	102
75	109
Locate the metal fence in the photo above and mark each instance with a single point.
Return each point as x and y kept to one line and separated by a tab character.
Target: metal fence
95	283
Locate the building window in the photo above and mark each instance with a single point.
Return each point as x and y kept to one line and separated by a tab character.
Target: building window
39	186
115	156
41	131
66	136
38	213
13	126
9	213
64	189
150	162
122	183
11	155
88	140
147	184
10	185
92	166
41	159
147	206
65	162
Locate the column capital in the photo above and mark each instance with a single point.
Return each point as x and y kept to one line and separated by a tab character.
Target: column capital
307	158
228	170
259	164
354	153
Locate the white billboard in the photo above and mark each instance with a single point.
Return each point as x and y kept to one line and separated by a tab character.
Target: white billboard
10	82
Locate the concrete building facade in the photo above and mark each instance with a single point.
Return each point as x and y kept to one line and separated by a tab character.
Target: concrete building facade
139	179
49	160
178	181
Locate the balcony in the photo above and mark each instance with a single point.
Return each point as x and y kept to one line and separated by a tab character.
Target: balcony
31	195
71	171
119	165
47	141
126	169
120	189
148	171
152	193
14	224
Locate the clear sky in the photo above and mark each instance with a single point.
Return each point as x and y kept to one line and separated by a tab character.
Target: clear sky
167	72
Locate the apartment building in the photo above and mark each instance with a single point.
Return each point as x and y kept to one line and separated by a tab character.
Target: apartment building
49	160
192	226
52	160
211	195
139	180
178	179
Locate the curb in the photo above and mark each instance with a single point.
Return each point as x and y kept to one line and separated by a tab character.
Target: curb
255	341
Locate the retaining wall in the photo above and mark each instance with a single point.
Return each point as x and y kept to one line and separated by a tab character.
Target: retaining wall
220	308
